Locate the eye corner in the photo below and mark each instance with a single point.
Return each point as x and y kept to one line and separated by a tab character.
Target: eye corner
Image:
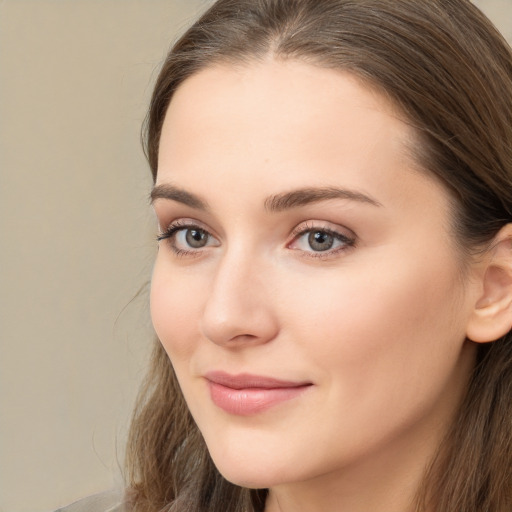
320	240
188	238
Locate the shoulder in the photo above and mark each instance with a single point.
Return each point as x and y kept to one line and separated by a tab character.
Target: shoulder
109	501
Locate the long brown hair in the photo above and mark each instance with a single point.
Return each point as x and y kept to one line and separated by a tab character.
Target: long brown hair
449	72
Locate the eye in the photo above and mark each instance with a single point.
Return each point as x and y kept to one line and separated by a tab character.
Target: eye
320	241
187	238
192	237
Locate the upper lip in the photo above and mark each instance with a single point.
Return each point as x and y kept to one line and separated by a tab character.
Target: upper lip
246	380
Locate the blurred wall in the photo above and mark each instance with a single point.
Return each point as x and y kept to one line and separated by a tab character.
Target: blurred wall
77	236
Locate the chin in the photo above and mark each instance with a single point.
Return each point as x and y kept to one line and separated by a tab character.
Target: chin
251	471
250	479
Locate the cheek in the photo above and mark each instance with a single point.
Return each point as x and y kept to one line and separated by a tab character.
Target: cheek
387	351
395	319
175	309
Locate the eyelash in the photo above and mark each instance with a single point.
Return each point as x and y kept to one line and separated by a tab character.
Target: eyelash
346	241
170	233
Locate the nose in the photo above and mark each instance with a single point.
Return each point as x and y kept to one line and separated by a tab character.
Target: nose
239	308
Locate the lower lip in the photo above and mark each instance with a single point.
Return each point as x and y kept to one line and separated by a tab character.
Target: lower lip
247	401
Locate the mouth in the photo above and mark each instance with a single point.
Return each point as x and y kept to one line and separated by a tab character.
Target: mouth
246	394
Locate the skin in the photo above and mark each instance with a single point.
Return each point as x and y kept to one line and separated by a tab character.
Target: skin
377	325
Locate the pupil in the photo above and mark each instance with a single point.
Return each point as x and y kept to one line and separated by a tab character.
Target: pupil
320	241
196	238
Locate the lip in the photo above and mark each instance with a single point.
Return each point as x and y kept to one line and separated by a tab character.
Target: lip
245	394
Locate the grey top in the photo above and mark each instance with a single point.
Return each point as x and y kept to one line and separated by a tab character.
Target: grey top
109	501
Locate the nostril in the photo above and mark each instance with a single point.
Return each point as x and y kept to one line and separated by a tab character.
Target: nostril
244	338
259	326
238	310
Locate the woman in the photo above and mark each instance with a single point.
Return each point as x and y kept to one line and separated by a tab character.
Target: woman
333	287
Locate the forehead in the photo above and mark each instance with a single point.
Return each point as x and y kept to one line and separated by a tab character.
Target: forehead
289	90
275	101
276	125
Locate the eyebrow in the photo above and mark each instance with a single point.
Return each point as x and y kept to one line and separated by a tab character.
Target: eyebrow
180	195
275	203
305	196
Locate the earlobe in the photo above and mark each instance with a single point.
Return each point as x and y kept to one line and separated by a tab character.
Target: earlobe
491	317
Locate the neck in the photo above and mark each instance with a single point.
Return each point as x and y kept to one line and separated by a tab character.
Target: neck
377	486
387	480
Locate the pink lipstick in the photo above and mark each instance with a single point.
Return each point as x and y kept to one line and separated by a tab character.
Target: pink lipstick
246	394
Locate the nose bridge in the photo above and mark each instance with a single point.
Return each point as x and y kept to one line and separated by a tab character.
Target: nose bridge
239	307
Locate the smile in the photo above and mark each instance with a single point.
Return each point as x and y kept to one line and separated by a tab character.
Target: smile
245	394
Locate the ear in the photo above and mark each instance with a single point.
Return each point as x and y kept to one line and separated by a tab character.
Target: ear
491	317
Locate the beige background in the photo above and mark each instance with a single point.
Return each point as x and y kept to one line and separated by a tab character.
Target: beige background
76	235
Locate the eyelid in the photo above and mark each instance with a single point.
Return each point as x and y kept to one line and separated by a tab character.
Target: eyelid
182	224
342	234
322	225
345	238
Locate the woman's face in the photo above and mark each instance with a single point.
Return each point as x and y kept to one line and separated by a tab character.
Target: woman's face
307	287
